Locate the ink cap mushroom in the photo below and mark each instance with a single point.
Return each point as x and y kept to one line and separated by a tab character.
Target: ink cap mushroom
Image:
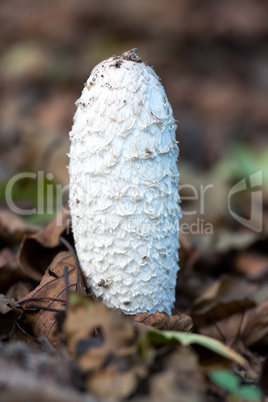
123	192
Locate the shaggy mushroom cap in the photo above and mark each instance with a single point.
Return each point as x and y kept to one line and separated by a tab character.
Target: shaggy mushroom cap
123	187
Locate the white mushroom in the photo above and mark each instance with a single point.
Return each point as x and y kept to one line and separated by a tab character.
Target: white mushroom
123	187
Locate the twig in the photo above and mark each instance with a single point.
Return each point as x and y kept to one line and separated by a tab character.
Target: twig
71	249
218	328
41	298
25	332
237	336
45	308
66	277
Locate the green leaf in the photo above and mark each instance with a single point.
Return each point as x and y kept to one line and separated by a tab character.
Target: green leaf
231	383
186	339
249	392
225	379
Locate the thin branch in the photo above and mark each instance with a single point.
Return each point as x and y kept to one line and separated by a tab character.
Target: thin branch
218	328
71	249
41	298
237	336
24	332
46	308
66	277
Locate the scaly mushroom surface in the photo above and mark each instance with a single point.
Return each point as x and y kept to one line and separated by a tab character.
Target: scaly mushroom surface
124	187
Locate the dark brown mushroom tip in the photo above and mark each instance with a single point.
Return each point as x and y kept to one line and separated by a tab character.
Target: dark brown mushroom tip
132	55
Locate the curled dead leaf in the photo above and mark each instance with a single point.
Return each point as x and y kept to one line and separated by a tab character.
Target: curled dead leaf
178	322
38	250
51	296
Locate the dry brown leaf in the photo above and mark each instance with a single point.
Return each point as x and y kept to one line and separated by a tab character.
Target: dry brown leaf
227	311
51	294
38	250
109	350
19	289
181	380
225	297
10	271
227	330
13	228
10	311
49	236
178	322
256	330
250	328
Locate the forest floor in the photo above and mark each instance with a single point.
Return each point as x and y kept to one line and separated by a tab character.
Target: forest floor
56	342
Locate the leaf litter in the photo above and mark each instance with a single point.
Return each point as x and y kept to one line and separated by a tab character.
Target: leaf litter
222	285
219	322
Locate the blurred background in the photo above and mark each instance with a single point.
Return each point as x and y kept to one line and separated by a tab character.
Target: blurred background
212	57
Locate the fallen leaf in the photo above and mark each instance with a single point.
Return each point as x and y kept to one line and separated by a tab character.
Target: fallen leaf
228	330
256	328
187	339
19	290
179	322
50	296
250	327
13	228
10	312
38	250
226	296
232	384
181	378
109	349
10	271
